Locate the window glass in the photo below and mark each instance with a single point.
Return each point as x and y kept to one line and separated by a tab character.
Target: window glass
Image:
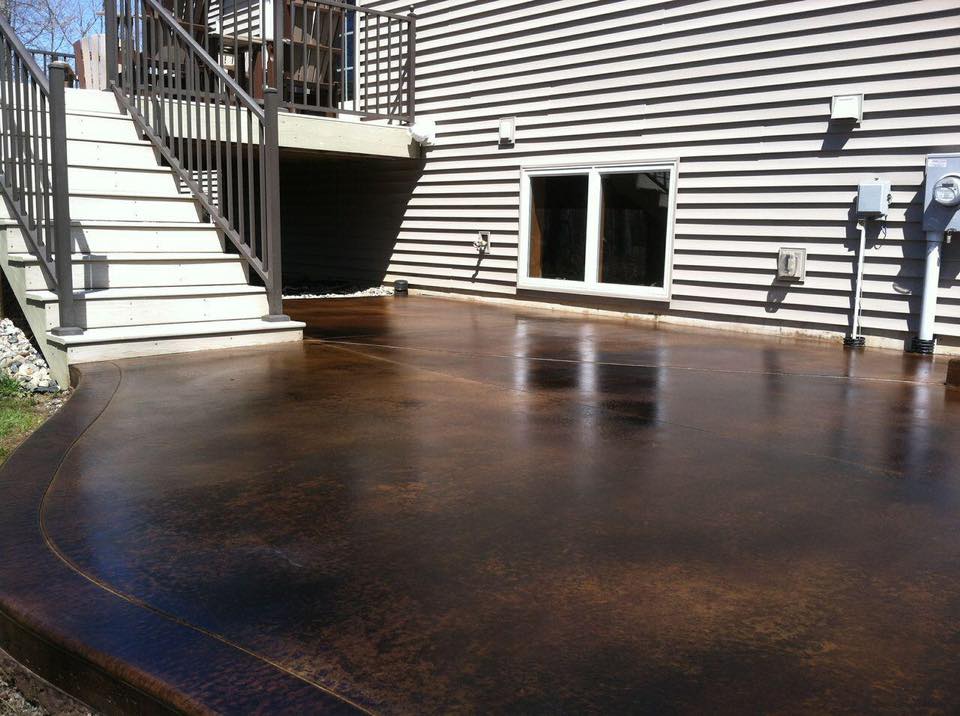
558	226
633	228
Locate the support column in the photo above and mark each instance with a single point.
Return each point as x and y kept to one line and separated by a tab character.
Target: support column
62	243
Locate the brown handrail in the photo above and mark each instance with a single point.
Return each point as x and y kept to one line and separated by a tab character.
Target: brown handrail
221	144
33	158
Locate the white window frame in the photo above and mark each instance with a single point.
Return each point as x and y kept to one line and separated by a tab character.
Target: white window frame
591	285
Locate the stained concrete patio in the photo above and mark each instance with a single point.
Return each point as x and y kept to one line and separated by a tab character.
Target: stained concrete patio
435	506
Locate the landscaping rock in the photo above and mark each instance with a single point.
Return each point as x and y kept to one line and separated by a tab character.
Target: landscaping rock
21	361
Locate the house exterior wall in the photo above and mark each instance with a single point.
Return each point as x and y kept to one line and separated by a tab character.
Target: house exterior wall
739	94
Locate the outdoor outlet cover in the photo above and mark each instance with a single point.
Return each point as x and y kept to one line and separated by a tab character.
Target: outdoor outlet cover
792	264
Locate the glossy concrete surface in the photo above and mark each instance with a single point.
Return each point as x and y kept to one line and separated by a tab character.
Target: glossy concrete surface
436	506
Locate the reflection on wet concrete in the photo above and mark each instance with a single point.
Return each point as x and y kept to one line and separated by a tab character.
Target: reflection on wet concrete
444	506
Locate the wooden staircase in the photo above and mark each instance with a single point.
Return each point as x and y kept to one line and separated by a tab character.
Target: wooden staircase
150	277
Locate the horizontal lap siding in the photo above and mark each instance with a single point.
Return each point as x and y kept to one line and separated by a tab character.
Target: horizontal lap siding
740	93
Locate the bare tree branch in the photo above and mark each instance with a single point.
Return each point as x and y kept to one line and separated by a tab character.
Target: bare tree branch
52	25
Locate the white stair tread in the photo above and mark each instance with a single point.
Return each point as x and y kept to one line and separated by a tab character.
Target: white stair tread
135	257
104	114
174	330
113	142
107	294
172	195
133	225
117	224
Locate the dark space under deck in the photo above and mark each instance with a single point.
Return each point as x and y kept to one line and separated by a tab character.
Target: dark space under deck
436	506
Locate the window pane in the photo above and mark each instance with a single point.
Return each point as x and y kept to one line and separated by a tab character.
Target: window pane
558	227
633	229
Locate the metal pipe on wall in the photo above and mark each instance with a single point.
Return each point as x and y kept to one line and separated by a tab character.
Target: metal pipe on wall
924	342
855	340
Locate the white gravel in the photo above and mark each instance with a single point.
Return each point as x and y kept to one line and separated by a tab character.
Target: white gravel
21	361
13	703
375	291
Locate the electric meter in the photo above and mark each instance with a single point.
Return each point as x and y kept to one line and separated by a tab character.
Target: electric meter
947	190
941	195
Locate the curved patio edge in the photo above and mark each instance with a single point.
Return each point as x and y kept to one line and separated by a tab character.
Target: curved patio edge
112	653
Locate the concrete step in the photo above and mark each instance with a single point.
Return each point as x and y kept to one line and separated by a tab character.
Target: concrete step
116	307
110	237
131	270
99	344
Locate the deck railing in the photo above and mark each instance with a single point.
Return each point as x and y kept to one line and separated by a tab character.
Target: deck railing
45	58
33	159
336	58
222	145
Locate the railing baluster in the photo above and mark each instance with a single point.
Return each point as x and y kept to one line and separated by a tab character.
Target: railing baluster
306	58
230	213
29	158
331	100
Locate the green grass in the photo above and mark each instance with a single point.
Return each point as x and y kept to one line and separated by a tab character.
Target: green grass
20	415
8	387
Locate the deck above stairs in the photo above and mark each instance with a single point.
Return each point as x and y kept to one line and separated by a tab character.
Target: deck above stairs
150	276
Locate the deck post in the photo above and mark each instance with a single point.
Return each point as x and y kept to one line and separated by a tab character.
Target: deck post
62	249
271	186
278	45
411	65
111	41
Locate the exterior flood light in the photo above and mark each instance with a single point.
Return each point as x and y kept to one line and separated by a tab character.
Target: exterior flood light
847	107
508	131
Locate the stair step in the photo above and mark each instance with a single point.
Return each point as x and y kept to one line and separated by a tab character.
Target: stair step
130	270
84	100
156	182
133	341
160	305
103	205
110	294
120	155
93	207
169	330
132	257
103	128
142	238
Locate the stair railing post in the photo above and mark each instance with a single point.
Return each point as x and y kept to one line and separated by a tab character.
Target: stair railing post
62	249
271	189
111	40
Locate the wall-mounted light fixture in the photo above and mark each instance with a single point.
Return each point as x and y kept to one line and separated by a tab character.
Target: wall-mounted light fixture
508	131
847	107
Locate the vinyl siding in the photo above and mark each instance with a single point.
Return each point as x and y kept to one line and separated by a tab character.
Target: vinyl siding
740	94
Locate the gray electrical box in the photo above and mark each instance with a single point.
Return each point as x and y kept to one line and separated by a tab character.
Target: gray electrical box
941	193
873	199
